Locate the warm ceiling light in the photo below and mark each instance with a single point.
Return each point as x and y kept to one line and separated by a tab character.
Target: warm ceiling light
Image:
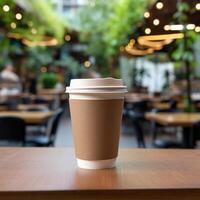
146	15
147	31
43	69
132	42
156	44
190	27
138	52
67	37
156	22
176	27
18	16
6	8
197	29
87	64
167	27
163	36
159	5
13	25
198	6
48	41
33	30
128	47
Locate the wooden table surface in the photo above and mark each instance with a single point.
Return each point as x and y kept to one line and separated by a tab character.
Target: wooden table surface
174	119
137	97
165	106
51	173
25	107
30	117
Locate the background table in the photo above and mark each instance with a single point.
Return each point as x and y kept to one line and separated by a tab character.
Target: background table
185	120
51	173
174	119
25	107
30	117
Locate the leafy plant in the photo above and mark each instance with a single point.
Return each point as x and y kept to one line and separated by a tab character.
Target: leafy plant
108	25
37	20
184	52
48	80
38	56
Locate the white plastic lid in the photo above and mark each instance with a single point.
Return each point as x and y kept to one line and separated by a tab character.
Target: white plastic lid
96	83
100	88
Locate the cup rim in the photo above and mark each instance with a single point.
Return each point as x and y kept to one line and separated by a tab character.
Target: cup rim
97	92
96	87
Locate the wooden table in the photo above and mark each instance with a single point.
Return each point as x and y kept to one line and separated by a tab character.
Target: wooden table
186	120
166	106
31	117
11	97
174	119
137	97
51	173
25	107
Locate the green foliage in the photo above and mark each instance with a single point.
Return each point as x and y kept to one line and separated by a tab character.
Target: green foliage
73	66
188	107
48	80
37	15
7	17
184	51
108	25
38	56
43	18
185	48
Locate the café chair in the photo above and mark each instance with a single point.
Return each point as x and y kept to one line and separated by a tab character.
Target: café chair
26	100
12	129
34	128
155	127
136	116
36	109
40	100
196	133
47	139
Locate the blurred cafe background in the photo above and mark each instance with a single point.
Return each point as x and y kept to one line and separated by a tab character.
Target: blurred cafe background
154	46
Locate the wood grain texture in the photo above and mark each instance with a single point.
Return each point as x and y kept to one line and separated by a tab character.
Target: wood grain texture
29	117
148	174
136	169
174	119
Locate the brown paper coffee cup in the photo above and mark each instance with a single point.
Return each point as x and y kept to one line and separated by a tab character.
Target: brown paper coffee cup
96	111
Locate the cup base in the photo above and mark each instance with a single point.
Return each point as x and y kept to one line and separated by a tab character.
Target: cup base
99	164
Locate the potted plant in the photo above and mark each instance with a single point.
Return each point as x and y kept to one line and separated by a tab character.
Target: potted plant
48	80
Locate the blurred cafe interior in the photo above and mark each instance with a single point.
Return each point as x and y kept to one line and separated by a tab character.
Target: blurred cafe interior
154	49
153	46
